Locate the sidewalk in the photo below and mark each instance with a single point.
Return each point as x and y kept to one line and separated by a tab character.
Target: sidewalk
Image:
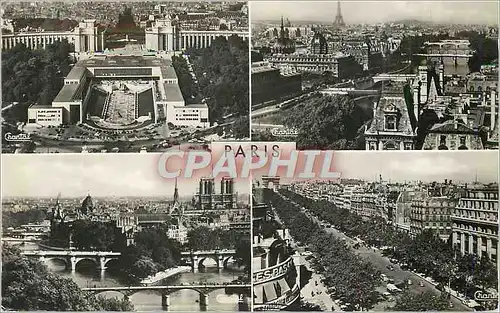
321	296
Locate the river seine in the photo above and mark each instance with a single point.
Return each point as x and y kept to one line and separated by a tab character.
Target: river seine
86	275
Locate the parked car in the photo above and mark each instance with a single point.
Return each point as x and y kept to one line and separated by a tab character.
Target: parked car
421	283
390	267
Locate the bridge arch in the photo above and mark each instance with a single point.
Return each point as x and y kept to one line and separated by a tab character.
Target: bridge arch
203	259
63	260
227	259
92	260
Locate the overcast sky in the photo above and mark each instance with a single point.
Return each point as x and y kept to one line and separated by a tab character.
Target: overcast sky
427	166
101	175
358	11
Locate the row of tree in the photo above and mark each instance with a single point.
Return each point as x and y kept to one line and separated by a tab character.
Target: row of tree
33	76
27	285
152	251
425	253
186	82
348	277
222	73
16	219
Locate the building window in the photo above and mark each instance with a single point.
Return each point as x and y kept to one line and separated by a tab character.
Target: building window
390	122
390	146
462	143
442	143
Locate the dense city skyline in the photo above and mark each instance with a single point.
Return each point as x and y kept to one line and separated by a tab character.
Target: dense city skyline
376	11
426	166
132	175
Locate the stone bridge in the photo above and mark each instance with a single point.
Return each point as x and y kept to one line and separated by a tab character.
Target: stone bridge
24	234
165	291
196	258
349	91
72	258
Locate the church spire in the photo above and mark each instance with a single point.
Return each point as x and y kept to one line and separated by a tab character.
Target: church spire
282	29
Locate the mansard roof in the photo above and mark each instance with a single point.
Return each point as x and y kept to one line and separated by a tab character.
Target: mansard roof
390	105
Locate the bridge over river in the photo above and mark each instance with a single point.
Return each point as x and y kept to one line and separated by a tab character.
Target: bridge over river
101	258
203	289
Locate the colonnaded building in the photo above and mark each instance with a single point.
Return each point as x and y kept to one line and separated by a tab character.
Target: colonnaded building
119	90
163	35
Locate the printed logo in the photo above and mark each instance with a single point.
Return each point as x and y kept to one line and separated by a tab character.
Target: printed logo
484	296
284	132
18	137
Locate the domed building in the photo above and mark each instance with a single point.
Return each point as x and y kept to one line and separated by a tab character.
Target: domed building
283	45
87	206
319	44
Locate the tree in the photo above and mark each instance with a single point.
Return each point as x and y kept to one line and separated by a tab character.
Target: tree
25	83
91	235
420	302
222	73
326	122
27	285
241	127
243	255
113	304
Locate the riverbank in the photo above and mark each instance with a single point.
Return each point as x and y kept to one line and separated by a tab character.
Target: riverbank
165	274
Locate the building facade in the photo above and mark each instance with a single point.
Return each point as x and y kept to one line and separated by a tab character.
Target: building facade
340	65
392	127
270	84
85	38
475	222
93	84
166	35
208	199
452	135
432	213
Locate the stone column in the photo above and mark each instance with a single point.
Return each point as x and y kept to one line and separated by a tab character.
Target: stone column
479	246
454	237
380	145
488	247
220	262
73	262
195	264
165	301
462	243
102	264
203	300
471	243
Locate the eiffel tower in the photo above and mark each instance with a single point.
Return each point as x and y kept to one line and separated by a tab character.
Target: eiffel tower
339	20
